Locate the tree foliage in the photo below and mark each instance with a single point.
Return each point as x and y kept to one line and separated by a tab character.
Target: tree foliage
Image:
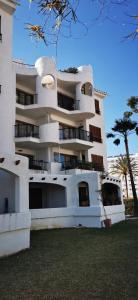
122	129
59	16
121	168
133	104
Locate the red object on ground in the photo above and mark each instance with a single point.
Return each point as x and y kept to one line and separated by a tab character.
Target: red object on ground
108	223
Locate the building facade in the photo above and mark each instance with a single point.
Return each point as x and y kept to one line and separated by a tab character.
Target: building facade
52	147
111	161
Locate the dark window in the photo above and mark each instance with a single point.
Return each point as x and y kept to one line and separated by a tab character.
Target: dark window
67	161
23	129
86	89
83	194
111	194
66	102
35	198
25	98
97	107
95	134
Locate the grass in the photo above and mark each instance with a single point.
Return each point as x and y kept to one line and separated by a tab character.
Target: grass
74	264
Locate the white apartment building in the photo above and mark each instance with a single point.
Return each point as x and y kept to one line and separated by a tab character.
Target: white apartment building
52	148
111	161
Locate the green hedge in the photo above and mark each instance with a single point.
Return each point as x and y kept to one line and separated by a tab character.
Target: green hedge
129	206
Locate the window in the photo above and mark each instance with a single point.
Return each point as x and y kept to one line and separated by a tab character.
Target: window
25	98
66	102
83	194
95	134
67	161
86	89
0	31
97	107
97	161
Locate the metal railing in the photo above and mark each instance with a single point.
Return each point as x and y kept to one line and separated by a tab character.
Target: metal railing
74	105
38	165
23	64
98	167
26	130
74	133
83	165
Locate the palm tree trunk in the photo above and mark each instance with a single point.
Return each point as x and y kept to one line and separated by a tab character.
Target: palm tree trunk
131	177
126	186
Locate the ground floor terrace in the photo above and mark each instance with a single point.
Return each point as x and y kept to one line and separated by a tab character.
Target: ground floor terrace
74	263
41	200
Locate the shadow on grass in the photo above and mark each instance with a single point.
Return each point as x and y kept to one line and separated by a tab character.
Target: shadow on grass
75	263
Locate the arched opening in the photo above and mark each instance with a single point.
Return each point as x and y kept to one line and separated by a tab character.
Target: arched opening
8	192
46	195
111	194
84	194
86	89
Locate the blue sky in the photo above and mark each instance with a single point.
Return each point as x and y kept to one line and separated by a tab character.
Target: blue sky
114	62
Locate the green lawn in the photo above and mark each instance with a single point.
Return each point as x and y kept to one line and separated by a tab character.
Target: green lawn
75	264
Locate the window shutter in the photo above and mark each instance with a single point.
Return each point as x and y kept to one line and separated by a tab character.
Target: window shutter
97	107
95	134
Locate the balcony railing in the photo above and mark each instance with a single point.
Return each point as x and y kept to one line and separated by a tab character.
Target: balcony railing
73	105
74	133
38	165
26	130
25	99
83	165
98	167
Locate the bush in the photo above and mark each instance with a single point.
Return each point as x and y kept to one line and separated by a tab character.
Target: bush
70	70
129	206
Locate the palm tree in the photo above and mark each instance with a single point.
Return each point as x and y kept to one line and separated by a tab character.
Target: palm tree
123	128
120	167
133	104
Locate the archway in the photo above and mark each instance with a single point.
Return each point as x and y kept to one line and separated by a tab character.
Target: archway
111	194
46	195
84	194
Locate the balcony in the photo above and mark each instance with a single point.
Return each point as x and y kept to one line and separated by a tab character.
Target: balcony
83	165
38	165
34	137
74	133
68	103
26	130
75	138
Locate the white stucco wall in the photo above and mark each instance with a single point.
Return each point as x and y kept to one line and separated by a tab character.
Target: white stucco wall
7	82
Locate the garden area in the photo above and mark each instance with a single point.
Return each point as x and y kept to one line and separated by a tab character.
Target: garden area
77	263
